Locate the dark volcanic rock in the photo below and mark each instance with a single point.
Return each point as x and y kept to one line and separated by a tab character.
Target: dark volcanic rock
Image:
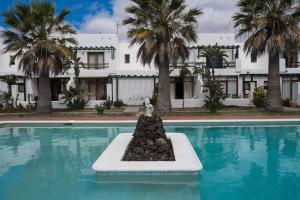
149	142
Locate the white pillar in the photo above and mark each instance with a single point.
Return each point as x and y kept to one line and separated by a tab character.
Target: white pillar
109	91
298	93
198	88
14	94
71	83
252	86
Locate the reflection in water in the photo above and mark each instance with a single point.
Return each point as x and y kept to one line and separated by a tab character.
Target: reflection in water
242	162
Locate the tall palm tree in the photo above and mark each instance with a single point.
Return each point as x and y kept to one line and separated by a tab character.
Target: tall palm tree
162	28
213	55
270	26
38	36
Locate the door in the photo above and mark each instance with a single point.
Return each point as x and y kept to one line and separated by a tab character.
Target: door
179	89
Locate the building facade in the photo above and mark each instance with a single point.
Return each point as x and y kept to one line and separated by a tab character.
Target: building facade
112	71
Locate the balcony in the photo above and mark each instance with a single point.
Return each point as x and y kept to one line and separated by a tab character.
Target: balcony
224	65
93	66
292	65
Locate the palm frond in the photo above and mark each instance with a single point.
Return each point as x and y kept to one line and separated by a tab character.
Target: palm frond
38	36
162	28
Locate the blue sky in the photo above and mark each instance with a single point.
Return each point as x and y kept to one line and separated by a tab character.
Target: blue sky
94	16
79	8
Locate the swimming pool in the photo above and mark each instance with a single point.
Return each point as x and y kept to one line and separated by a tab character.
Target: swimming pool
241	161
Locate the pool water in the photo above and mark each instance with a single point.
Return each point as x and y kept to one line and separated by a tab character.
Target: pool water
241	161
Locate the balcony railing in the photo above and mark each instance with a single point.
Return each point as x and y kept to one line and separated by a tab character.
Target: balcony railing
231	64
96	65
292	65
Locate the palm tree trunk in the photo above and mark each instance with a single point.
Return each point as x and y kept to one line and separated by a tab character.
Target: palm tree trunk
164	97
274	103
44	95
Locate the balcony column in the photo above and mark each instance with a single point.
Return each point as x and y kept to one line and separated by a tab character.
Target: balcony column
298	93
198	88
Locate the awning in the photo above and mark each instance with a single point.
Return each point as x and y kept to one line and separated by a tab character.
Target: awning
103	48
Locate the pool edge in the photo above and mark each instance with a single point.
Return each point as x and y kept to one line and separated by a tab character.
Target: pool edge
134	121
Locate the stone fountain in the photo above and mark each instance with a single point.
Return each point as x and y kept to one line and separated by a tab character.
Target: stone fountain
149	142
149	149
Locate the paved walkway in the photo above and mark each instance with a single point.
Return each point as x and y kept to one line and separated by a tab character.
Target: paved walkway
56	117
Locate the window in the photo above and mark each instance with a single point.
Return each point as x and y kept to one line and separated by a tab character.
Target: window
289	87
266	85
181	89
253	57
247	85
232	87
127	58
12	60
97	87
229	85
218	62
96	60
58	85
291	59
237	54
21	88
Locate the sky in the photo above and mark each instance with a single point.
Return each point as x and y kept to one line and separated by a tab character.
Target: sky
95	16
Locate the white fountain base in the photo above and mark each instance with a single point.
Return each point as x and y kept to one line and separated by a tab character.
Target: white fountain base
186	159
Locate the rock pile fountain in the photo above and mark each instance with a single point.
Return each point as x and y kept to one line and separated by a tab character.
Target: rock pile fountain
149	142
149	149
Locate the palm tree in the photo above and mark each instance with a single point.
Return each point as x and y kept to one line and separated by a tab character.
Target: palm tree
213	55
162	28
270	26
38	37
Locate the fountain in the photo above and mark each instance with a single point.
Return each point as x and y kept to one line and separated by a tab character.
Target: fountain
149	142
149	149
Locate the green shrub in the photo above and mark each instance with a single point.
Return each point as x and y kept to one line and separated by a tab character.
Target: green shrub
286	102
20	107
100	108
259	97
108	104
119	103
6	96
75	98
213	101
10	80
31	106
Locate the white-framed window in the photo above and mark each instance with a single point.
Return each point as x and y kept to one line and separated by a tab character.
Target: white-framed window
12	60
127	58
95	60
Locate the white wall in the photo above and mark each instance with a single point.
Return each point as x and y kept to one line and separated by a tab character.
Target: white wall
5	68
194	103
135	64
261	66
135	91
219	38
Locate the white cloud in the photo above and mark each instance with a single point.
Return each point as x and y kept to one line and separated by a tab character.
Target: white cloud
217	15
104	22
216	18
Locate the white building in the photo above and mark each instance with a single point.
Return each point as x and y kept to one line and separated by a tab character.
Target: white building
113	72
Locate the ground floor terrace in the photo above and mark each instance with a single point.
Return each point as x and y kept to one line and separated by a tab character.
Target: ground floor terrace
187	92
132	113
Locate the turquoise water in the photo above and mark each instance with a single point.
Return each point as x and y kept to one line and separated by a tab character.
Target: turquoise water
241	161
